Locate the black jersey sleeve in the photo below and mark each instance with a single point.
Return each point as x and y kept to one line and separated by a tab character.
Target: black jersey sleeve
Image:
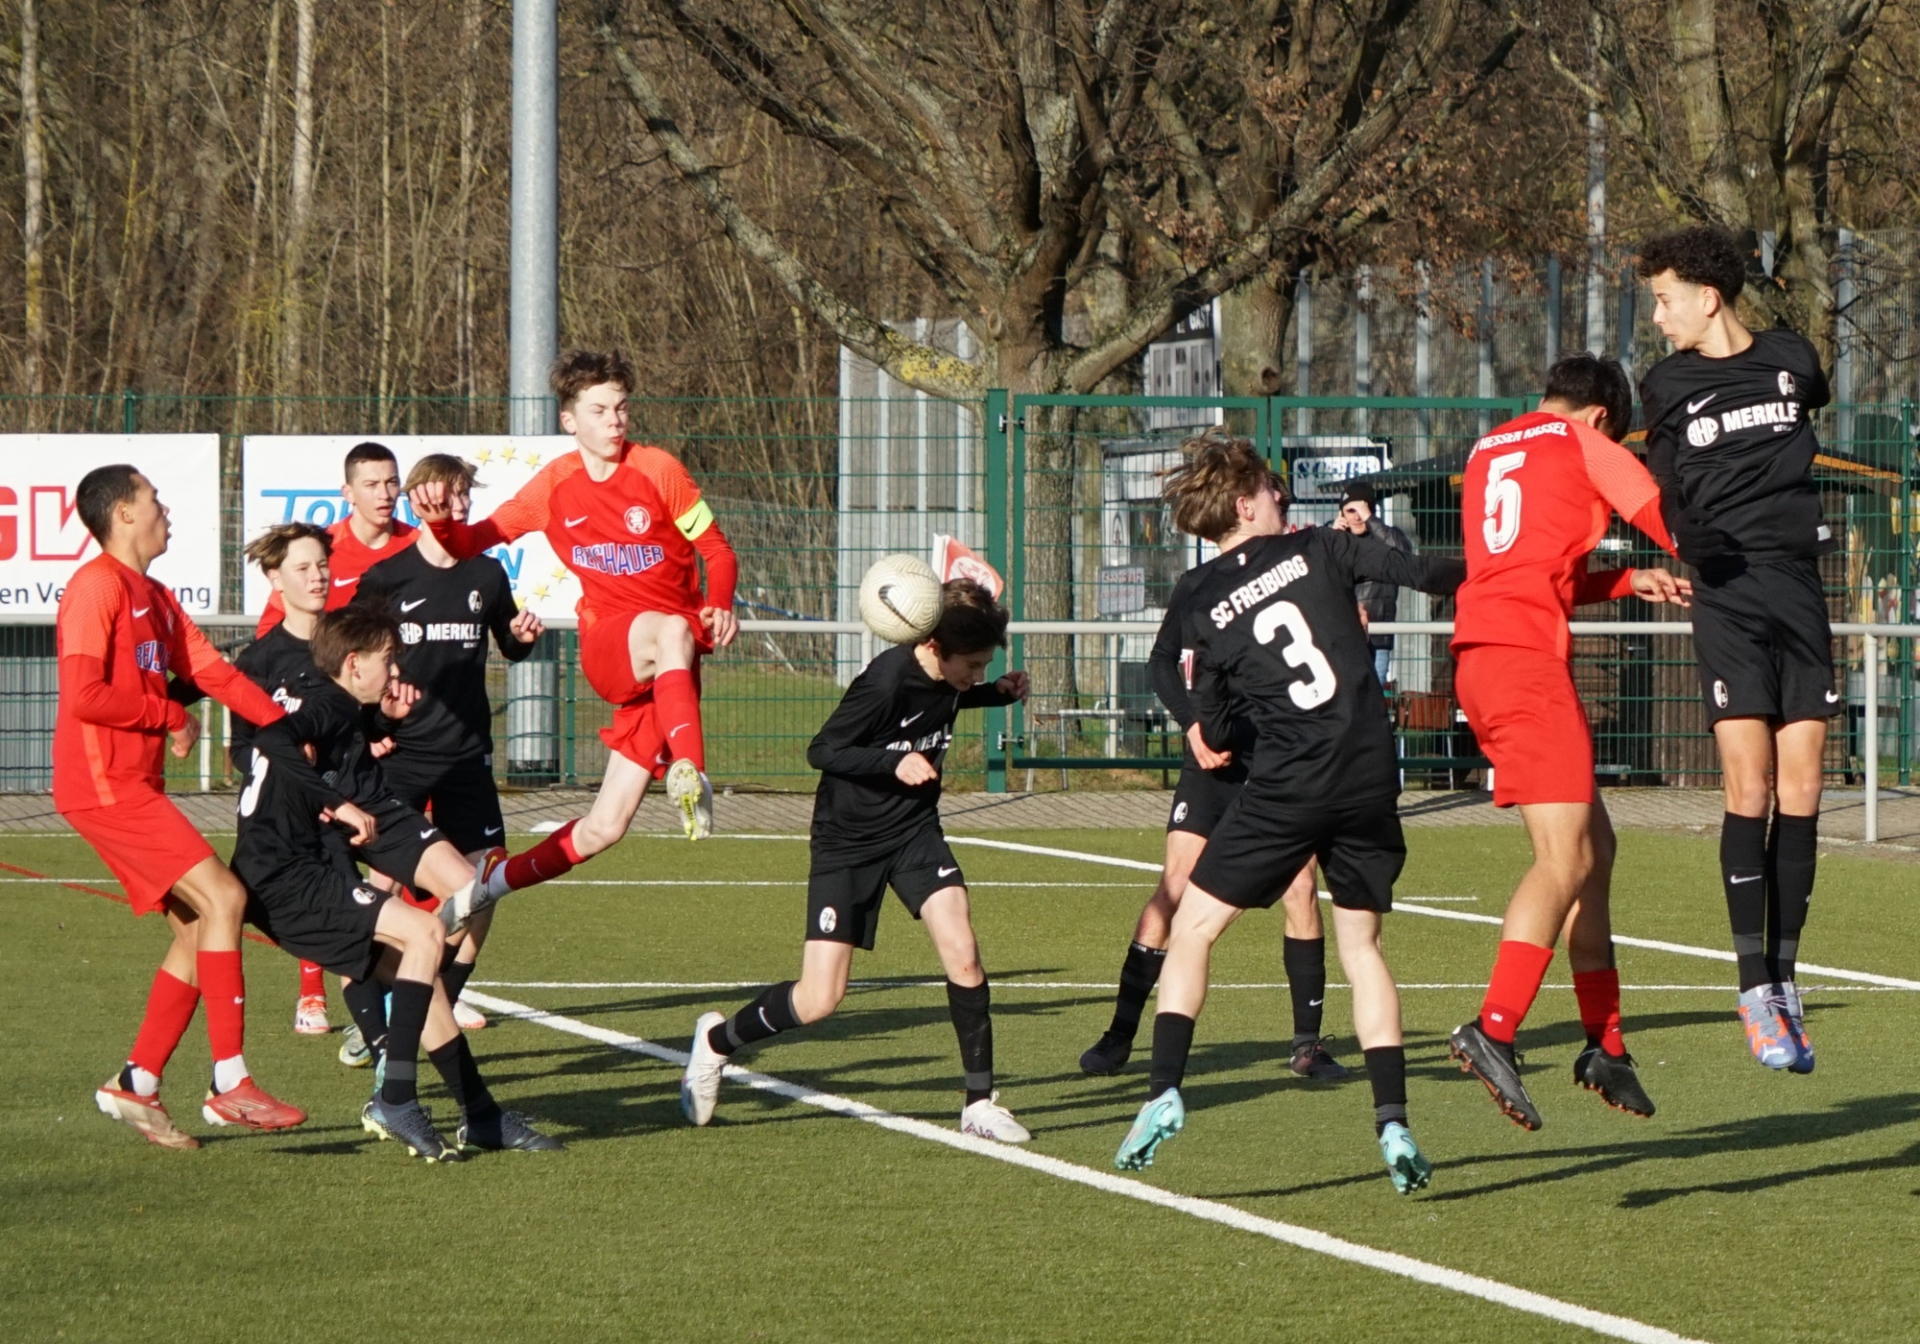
987	695
281	742
1816	391
500	615
852	740
1366	559
1211	702
1164	670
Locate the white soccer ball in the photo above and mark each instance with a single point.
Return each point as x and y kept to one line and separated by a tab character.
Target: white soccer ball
900	599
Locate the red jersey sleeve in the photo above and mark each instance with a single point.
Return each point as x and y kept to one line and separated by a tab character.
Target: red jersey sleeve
1623	483
1602	585
94	604
526	512
212	673
723	566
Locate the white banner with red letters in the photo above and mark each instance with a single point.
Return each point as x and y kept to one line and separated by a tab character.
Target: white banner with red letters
297	478
42	540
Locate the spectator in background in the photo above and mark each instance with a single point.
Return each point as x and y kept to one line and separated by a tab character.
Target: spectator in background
1378	601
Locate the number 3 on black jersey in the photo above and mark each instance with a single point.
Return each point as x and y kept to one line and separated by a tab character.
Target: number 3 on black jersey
1299	651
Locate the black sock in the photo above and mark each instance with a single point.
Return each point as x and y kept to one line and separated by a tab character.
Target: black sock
1139	973
367	1001
411	1000
1305	960
1387	1071
768	1015
454	976
1172	1043
973	1024
1792	853
1743	871
454	1063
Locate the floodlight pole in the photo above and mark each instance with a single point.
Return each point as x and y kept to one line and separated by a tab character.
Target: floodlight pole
533	338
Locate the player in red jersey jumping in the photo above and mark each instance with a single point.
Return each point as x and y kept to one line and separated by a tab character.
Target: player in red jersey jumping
367	535
629	522
119	634
1538	495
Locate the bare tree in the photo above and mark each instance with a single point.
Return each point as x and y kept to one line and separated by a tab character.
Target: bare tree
293	300
33	152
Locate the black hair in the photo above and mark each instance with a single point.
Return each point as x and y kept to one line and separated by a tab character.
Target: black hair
368	452
99	491
1584	379
1700	254
970	620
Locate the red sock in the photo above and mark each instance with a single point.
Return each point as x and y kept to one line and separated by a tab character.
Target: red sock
313	980
170	1005
224	988
677	703
1599	996
553	857
1517	973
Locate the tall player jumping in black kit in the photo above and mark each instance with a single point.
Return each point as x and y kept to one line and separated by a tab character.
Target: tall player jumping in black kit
1274	627
1730	441
876	823
1209	779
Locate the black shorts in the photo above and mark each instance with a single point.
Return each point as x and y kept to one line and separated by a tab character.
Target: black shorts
1202	797
460	796
843	903
318	913
403	839
1764	644
1258	849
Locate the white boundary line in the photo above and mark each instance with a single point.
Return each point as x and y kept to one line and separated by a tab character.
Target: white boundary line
1090	984
1305	1238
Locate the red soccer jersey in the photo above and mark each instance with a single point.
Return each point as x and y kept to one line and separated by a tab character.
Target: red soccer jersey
1537	497
349	559
631	539
118	635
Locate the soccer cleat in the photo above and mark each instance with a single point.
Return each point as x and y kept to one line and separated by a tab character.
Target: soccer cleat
1796	1016
1613	1077
353	1048
689	790
491	873
467	1017
1311	1060
1497	1065
1409	1169
1106	1056
410	1125
988	1119
457	910
503	1131
700	1084
145	1114
310	1015
1158	1121
1763	1014
248	1105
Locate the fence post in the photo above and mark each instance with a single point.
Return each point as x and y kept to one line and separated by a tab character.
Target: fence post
129	411
1870	758
995	423
206	745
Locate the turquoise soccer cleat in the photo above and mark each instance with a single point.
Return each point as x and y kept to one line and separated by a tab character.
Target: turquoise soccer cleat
1409	1169
1159	1119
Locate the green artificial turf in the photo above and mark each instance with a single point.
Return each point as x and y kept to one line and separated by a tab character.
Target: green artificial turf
1754	1207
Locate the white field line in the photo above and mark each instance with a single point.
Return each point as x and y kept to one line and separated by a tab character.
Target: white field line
1305	1238
1090	984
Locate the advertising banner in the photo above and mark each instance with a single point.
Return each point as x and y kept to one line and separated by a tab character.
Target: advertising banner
297	478
42	540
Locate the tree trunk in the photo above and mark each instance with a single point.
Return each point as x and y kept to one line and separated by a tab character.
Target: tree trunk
34	152
469	169
1253	322
299	213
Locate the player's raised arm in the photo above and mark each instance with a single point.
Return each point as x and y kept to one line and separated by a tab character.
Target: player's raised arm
1365	558
1626	485
211	673
526	512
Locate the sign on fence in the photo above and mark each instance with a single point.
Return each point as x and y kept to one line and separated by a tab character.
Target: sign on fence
297	478
42	540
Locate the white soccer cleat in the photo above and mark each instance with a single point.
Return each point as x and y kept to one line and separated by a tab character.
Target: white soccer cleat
692	792
700	1084
467	1017
988	1119
310	1015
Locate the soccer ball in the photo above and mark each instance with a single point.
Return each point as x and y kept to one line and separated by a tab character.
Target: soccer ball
900	599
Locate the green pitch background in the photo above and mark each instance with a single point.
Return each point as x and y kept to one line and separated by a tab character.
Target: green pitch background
1754	1207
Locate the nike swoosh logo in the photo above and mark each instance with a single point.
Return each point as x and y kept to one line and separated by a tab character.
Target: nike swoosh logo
1833	698
342	583
1694	406
1738	880
904	722
141	611
575	522
491	830
427	834
1315	1003
417	602
946	872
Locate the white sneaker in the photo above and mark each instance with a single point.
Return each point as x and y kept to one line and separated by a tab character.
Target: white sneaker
310	1015
692	792
700	1084
988	1119
467	1017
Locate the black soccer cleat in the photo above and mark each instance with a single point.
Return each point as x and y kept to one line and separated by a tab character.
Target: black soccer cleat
504	1130
1311	1060
1613	1077
1106	1056
1498	1066
411	1126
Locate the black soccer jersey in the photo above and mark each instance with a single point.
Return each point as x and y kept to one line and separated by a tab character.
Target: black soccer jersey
280	804
1169	669
861	810
1273	622
272	662
1731	443
445	616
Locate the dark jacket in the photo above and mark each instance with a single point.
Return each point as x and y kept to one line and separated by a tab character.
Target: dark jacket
1381	599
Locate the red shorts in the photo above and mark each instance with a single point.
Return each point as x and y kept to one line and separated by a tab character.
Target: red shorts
607	661
1522	707
145	841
